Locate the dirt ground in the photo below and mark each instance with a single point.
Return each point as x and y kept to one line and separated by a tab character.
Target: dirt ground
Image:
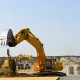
30	78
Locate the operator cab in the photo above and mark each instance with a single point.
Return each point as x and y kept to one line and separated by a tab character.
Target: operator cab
49	64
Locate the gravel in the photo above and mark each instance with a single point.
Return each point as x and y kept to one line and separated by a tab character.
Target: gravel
70	78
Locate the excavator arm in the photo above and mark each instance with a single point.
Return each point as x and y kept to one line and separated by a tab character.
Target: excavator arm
25	34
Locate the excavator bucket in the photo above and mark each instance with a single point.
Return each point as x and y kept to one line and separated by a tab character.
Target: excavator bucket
6	37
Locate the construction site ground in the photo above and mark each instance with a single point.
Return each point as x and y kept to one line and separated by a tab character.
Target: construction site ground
43	78
67	61
30	78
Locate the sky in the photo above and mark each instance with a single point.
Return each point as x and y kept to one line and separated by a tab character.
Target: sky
55	22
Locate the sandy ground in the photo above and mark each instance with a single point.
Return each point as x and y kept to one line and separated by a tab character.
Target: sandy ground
30	78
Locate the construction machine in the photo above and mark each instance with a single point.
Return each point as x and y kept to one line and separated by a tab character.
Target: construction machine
43	65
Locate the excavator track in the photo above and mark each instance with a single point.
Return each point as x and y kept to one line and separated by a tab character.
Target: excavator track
41	74
50	74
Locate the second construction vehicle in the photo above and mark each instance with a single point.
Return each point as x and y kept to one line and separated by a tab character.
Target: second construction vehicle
43	66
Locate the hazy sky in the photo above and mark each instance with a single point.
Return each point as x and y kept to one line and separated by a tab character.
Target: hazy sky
55	22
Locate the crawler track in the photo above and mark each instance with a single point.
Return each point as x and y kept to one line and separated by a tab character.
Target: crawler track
41	74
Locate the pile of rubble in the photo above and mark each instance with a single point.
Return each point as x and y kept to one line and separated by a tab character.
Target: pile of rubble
67	61
70	64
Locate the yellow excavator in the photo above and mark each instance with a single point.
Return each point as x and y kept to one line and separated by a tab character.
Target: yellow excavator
43	65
